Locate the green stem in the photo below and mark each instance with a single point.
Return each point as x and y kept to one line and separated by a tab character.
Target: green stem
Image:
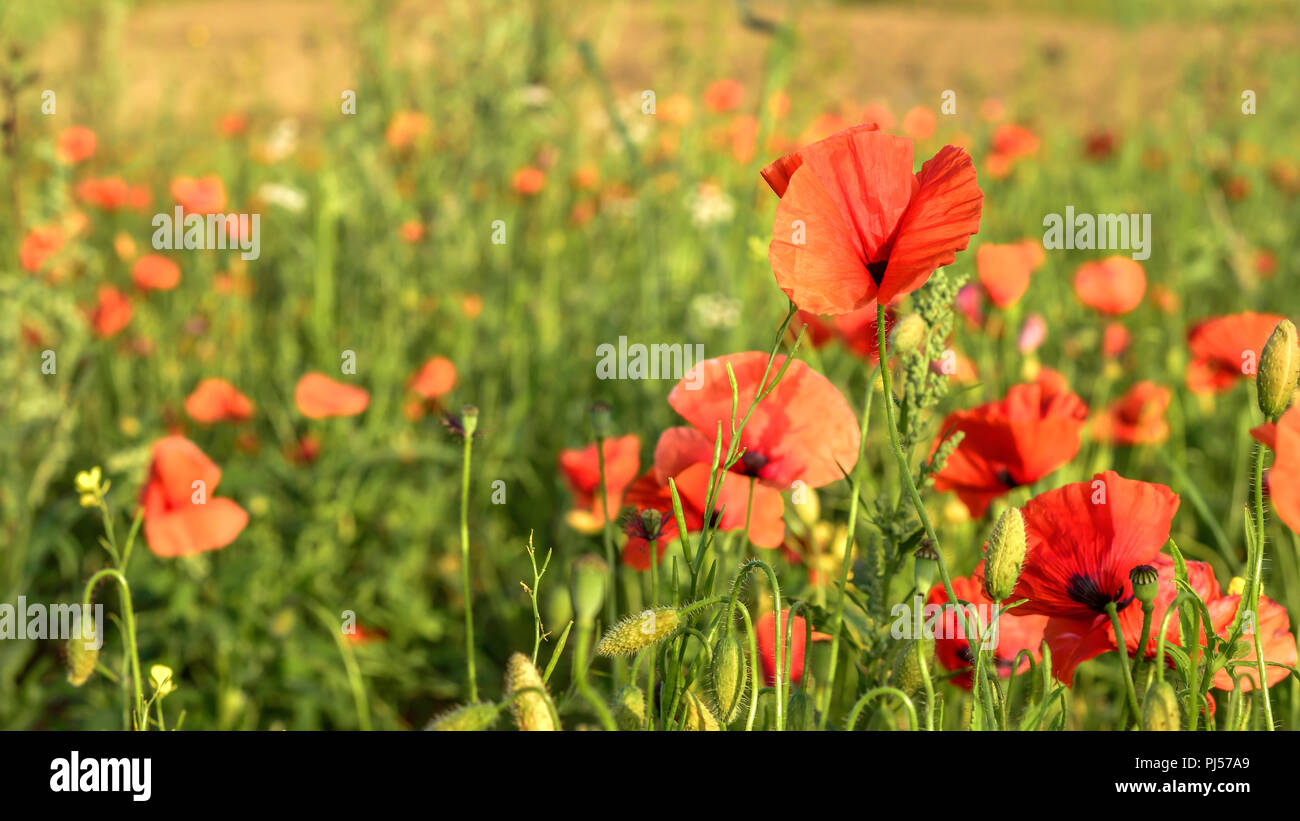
464	568
139	717
1257	582
1123	660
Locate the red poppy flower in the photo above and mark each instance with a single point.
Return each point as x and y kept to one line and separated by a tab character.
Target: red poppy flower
1114	285
1014	632
732	502
181	516
724	95
39	245
435	379
1012	442
1115	339
856	329
1265	434
405	128
636	552
111	314
156	272
76	143
1284	476
1014	141
1004	270
802	430
206	195
216	400
854	224
232	124
411	231
1226	348
528	181
766	629
318	397
580	469
1084	539
919	122
1137	418
1053	381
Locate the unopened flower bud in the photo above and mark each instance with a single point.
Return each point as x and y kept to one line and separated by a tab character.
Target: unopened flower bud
638	631
468	718
629	708
698	716
799	711
1279	370
727	677
532	709
589	576
906	671
83	656
1005	554
1145	580
908	334
1160	708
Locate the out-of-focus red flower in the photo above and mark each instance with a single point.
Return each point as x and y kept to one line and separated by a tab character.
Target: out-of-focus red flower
1114	285
411	231
1014	633
1009	443
75	144
1100	145
319	397
111	314
1284	476
1115	340
724	95
880	114
405	128
154	272
181	514
41	243
232	124
854	224
113	194
767	630
1136	418
528	181
1032	333
919	122
205	195
435	379
1227	348
216	400
580	469
1014	141
1004	270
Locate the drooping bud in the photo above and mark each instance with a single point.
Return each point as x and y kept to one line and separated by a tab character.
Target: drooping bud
698	716
1145	580
1279	370
467	718
637	631
727	677
906	671
799	711
1005	554
532	710
589	576
83	656
908	334
925	563
629	708
1160	708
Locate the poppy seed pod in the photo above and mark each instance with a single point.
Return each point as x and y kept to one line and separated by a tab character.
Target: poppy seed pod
589	575
600	420
532	710
727	677
469	420
637	631
1279	370
467	718
1005	554
908	334
1160	708
698	716
629	708
1145	580
925	563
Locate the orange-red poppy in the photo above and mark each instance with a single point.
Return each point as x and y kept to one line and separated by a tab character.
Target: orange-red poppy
154	272
580	469
232	124
411	231
1284	476
854	224
919	122
216	400
181	514
880	114
724	95
435	379
113	194
1227	348
636	551
767	629
41	243
1012	442
111	313
1136	418
1114	285
75	144
1012	633
528	180
405	128
1004	270
319	397
1115	339
205	195
1014	141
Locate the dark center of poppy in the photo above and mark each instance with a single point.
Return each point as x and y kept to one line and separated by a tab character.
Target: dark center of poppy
1086	590
1005	477
877	270
751	463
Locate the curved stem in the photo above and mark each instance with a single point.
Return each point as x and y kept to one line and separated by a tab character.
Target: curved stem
876	693
139	718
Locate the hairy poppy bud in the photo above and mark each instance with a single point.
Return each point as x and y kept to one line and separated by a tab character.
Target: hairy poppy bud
1005	554
532	709
925	563
727	677
906	671
83	656
1145	580
467	718
589	575
629	708
637	631
908	334
698	716
1160	708
799	711
1279	370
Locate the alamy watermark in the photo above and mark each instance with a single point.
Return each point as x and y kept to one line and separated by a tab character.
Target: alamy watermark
53	621
656	361
1087	232
945	621
196	232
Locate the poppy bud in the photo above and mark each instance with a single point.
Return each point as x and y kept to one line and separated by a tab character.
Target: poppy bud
589	575
1005	554
908	334
1145	583
637	631
799	711
532	710
906	671
1279	370
1160	708
698	716
83	656
469	420
727	677
600	420
629	708
467	718
925	563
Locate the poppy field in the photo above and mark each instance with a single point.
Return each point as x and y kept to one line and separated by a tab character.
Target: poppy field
649	367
